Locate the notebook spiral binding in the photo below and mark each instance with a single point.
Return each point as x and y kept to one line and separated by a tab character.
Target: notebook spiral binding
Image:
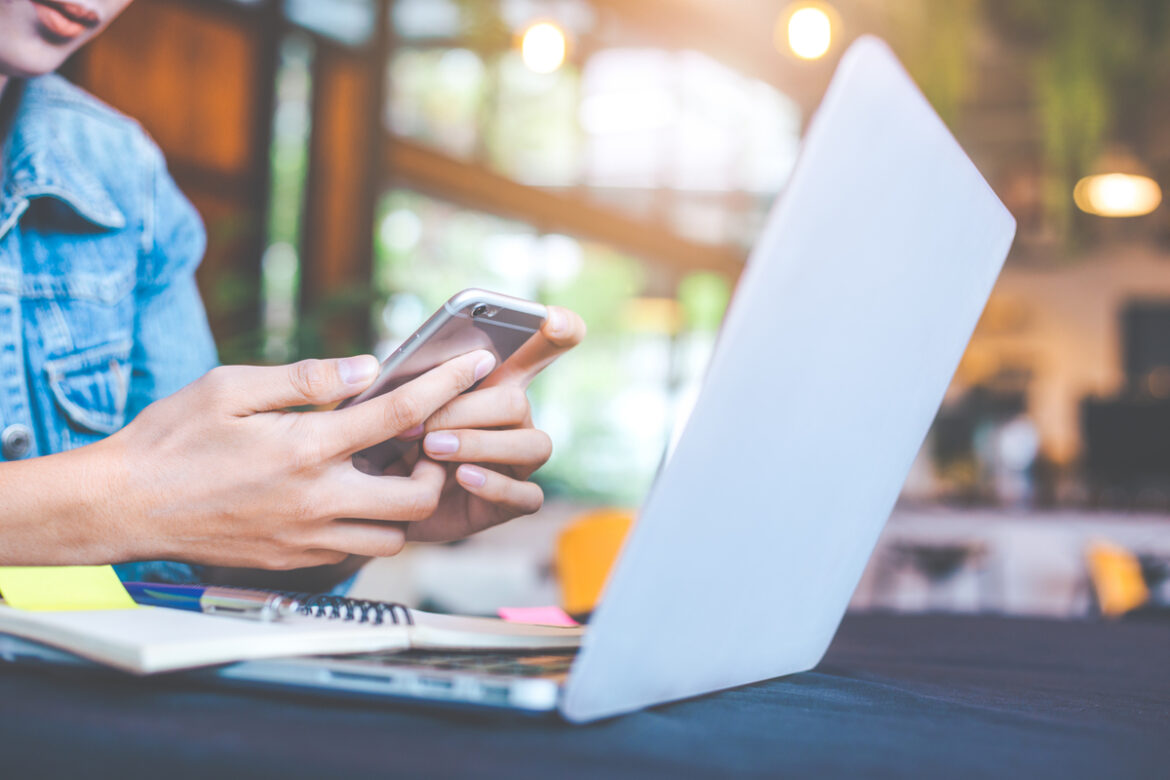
330	607
342	608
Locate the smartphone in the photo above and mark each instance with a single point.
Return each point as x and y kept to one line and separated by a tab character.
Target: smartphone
470	320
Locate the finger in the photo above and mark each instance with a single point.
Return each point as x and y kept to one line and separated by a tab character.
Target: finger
373	540
386	416
251	389
515	447
512	496
562	331
390	499
494	407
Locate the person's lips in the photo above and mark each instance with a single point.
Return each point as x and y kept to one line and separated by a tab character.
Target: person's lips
66	20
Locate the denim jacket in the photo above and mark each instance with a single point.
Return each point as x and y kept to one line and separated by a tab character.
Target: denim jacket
99	312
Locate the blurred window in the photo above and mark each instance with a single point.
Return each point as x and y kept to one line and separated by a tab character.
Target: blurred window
280	269
531	128
350	22
437	97
673	136
421	19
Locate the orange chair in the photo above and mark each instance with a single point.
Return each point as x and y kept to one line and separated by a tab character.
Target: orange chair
586	550
1116	576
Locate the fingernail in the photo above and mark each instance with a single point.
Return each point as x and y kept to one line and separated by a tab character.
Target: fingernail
357	370
441	443
412	433
556	321
485	365
471	476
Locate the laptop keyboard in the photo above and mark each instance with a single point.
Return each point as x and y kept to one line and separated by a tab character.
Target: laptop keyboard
505	664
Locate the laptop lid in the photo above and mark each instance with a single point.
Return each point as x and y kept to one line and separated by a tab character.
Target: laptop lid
845	329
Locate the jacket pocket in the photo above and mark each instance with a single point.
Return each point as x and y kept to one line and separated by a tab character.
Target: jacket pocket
82	297
91	386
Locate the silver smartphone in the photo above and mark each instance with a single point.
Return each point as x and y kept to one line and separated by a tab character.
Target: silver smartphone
470	320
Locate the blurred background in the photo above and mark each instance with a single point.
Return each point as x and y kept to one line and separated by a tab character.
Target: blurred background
358	161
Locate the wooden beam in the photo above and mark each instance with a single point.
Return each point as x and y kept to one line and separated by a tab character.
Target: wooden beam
472	185
337	241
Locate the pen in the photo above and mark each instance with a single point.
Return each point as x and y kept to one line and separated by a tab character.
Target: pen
234	602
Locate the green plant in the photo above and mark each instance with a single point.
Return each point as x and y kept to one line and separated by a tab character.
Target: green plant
1095	68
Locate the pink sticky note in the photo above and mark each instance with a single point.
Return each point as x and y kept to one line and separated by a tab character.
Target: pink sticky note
545	616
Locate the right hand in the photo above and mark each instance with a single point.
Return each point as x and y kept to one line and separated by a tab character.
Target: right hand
221	474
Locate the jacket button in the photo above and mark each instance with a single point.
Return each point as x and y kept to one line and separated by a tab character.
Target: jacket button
16	441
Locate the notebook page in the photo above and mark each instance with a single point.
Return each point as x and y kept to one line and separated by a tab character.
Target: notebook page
432	631
151	639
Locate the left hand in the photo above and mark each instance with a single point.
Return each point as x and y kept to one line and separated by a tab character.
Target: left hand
487	439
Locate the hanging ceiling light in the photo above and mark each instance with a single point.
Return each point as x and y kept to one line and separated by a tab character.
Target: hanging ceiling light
806	29
543	47
1119	187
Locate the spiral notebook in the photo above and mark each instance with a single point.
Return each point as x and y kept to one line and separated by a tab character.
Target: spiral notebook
148	640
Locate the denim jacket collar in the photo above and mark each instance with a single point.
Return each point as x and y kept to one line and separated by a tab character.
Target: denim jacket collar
38	162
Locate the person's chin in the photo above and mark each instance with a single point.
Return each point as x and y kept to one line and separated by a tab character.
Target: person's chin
33	57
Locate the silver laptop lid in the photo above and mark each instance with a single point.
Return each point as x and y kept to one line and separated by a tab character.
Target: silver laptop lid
845	329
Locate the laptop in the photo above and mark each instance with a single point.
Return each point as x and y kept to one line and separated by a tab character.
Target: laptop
849	319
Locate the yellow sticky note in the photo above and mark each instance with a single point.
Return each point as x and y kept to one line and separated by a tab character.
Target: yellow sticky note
61	588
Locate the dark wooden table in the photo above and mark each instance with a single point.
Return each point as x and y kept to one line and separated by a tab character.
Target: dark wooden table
928	696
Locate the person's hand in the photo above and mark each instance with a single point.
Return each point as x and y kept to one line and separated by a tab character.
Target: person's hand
488	443
220	474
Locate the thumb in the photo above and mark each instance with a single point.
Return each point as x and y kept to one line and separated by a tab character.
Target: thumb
308	382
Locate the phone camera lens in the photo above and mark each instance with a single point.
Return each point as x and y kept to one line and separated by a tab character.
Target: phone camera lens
479	310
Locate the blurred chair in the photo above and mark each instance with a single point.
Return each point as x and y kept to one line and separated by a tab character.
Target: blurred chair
1156	573
1127	451
585	552
1118	583
940	565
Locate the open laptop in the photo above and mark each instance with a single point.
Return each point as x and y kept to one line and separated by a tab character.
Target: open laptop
847	324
